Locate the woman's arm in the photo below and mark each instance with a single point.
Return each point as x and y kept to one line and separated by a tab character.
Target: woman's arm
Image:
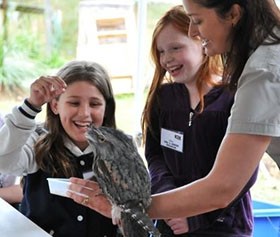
237	159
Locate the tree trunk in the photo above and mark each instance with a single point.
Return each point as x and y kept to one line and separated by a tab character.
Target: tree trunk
3	32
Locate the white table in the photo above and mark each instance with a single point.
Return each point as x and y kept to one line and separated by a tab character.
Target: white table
15	224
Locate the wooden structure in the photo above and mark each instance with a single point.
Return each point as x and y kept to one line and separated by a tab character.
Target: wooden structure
107	35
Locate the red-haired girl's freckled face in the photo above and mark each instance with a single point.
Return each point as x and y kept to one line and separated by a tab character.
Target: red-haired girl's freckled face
180	55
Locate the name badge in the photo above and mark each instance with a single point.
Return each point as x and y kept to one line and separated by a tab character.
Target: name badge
172	140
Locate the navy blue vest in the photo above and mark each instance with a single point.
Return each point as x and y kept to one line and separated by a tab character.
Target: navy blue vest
61	216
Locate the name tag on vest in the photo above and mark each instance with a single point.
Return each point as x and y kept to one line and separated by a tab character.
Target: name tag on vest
172	140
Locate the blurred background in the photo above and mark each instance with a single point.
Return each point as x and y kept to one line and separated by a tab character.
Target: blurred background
39	36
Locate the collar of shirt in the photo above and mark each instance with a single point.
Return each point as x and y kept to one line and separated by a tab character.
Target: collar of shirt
76	150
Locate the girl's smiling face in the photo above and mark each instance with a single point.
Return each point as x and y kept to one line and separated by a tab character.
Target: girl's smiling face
180	55
214	31
81	105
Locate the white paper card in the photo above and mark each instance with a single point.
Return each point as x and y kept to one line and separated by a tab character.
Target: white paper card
172	140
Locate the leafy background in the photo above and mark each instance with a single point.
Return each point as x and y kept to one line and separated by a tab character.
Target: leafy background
26	53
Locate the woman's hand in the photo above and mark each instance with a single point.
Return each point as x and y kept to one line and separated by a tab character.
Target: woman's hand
88	193
45	89
178	225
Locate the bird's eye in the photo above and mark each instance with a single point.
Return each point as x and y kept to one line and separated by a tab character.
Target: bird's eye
101	138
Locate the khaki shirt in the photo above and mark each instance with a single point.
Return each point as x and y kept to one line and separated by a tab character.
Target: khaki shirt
256	109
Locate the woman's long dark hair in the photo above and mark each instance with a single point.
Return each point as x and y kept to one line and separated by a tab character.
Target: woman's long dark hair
259	20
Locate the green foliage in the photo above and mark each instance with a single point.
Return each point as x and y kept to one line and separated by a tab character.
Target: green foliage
15	71
155	11
1	51
26	50
31	49
124	96
16	65
55	60
69	24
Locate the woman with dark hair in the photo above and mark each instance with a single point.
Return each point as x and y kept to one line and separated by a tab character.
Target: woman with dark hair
184	121
247	35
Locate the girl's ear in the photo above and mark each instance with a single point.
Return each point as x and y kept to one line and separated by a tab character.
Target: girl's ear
235	14
54	106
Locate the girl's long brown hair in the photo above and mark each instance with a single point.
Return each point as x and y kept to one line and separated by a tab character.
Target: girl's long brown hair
50	152
210	65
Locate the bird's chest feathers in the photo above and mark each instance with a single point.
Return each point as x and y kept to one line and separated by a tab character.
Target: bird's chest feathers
109	173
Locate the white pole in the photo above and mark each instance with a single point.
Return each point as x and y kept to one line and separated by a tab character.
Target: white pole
47	6
139	79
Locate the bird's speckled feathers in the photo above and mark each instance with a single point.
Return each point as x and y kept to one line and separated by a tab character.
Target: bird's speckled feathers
123	177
